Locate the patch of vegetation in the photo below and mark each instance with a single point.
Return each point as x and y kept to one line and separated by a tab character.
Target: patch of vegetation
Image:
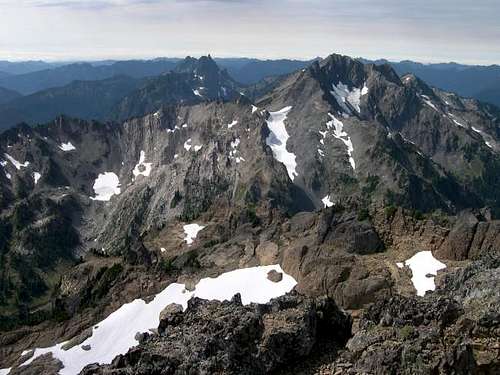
390	211
210	243
363	214
417	215
167	265
251	215
406	332
371	185
176	199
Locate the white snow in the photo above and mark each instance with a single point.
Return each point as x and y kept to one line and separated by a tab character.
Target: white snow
67	147
162	249
484	136
454	119
339	133
36	177
5	371
277	139
187	144
191	231
423	264
234	152
8	175
235	143
17	164
235	122
146	166
116	334
428	101
348	99
197	91
327	202
400	265
323	136
197	148
320	152
254	109
185	125
105	186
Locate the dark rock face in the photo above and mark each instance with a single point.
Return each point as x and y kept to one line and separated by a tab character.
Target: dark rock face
213	337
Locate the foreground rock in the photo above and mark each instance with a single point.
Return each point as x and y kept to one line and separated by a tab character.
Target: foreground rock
228	338
455	330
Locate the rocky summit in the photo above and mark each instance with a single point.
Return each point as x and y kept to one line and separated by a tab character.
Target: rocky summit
339	219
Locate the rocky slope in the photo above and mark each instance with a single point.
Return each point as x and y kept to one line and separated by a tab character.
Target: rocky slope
337	172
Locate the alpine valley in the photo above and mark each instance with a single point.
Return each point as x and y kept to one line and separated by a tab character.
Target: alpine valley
338	219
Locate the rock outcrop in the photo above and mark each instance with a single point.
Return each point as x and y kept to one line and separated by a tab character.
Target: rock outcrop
228	338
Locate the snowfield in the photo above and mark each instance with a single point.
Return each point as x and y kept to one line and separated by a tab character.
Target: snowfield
348	99
105	186
36	177
146	166
277	139
67	147
116	334
191	231
422	265
327	202
339	133
17	164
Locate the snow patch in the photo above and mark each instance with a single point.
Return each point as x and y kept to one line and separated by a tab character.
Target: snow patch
105	186
191	231
254	109
327	202
36	177
454	119
67	147
348	99
428	101
116	334
277	139
339	133
423	264
233	154
187	144
146	167
17	164
229	126
197	91
484	136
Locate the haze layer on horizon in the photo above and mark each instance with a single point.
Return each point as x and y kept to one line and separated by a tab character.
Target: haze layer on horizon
425	30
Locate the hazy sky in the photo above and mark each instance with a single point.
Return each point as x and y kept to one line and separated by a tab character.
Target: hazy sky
423	30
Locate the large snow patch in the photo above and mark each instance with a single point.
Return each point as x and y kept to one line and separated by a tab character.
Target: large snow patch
116	334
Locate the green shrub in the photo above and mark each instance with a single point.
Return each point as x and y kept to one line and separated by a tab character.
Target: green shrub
390	211
363	214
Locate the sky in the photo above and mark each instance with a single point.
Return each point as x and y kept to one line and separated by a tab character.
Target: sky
421	30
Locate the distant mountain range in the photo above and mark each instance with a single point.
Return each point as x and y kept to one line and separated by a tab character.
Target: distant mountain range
30	83
8	95
98	90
